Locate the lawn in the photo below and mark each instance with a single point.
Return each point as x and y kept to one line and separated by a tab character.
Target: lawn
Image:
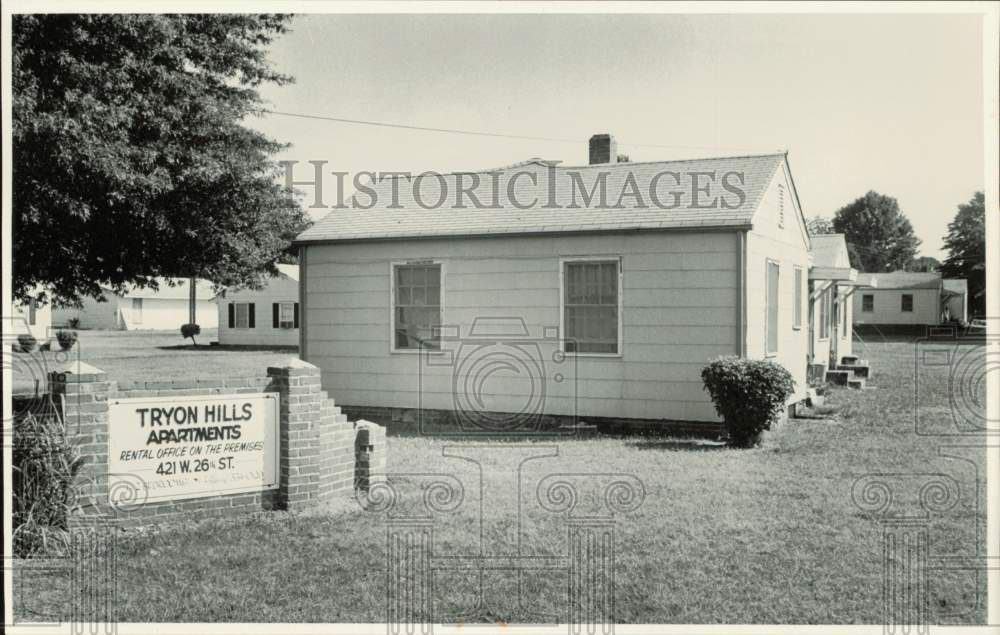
141	355
768	535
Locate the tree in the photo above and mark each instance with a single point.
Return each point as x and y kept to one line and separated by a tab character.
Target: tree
818	225
966	245
131	159
881	234
925	264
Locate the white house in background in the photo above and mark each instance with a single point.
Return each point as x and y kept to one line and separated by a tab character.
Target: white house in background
137	309
956	299
621	306
32	318
904	298
265	317
832	283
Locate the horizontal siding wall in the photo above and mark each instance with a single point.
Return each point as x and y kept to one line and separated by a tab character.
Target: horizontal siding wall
679	310
263	334
926	307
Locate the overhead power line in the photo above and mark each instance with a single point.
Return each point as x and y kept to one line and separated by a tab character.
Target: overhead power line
480	133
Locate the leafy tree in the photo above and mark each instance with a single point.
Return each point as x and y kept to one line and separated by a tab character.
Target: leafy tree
818	225
881	234
131	159
925	264
966	245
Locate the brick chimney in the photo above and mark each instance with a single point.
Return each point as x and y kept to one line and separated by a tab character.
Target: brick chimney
603	149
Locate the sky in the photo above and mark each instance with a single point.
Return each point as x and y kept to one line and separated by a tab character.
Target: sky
891	103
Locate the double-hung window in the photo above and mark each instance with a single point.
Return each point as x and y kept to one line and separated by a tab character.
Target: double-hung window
591	306
772	306
416	296
906	303
868	303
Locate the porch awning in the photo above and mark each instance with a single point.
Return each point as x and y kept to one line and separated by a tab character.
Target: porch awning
845	276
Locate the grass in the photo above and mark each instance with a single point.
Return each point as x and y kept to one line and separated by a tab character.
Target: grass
768	535
142	355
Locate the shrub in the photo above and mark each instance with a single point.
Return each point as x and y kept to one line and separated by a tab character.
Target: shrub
190	330
749	394
73	323
66	339
45	466
27	342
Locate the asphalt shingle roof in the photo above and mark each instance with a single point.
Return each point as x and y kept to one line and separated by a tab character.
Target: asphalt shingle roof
412	215
827	250
901	280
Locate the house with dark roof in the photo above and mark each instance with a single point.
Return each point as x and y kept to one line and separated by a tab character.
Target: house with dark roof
268	316
910	299
166	307
540	291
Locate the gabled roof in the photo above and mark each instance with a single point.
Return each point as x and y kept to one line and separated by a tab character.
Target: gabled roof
902	280
552	186
956	285
829	250
289	271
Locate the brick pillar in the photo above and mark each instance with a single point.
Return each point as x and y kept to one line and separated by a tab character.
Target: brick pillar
81	391
298	384
369	454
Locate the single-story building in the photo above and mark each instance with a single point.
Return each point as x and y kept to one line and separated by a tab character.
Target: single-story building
832	282
597	291
32	318
904	298
165	308
262	317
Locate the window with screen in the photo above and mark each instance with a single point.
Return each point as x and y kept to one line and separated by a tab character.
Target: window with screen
868	303
286	315
417	306
906	304
590	306
799	292
772	307
242	315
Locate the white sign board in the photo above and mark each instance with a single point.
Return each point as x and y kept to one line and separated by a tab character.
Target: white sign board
190	447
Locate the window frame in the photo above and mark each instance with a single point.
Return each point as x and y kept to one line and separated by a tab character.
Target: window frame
902	302
824	320
868	296
236	316
799	280
291	316
414	262
777	309
563	261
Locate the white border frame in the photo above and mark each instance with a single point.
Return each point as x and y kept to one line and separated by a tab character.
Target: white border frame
392	302
563	261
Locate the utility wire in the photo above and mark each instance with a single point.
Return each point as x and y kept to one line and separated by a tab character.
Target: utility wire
478	133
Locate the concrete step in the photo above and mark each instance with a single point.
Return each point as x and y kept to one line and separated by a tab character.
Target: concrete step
856	384
858	370
849	360
839	377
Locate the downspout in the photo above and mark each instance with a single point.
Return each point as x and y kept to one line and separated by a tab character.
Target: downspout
302	302
741	294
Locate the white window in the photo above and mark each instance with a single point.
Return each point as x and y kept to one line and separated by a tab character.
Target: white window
799	293
137	310
416	297
286	315
591	307
772	307
242	315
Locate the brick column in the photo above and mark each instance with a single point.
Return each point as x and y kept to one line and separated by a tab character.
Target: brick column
298	384
81	392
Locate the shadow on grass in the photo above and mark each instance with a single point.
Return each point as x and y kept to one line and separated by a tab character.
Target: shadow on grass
206	348
683	445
